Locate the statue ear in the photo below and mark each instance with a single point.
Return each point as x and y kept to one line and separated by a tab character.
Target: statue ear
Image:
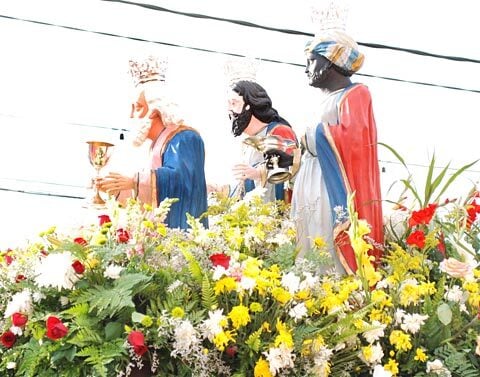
155	113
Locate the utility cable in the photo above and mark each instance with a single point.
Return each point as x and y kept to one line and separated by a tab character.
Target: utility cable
228	53
288	31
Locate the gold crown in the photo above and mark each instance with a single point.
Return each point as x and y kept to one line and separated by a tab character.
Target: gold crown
238	69
149	68
329	14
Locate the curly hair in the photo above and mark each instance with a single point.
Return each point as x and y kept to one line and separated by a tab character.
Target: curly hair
260	103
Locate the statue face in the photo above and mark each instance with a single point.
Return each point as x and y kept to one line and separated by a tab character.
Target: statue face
140	123
317	70
239	112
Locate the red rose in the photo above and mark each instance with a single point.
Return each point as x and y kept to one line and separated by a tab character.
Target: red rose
78	267
19	319
80	241
55	328
137	340
472	210
19	278
417	238
8	339
423	216
122	236
104	219
220	260
231	351
8	259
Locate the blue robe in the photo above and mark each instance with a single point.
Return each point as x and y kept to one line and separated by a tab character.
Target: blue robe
182	176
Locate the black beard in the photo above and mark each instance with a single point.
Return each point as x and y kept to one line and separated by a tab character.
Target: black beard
240	121
317	78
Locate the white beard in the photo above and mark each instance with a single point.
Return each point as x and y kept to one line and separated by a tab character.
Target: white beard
140	128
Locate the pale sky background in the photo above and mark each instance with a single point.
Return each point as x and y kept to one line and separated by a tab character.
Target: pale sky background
60	87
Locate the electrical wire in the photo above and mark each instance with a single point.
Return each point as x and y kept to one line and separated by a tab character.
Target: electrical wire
288	31
238	55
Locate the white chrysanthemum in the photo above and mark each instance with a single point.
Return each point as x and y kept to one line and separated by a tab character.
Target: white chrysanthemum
291	282
298	312
279	239
436	366
399	314
379	371
213	325
55	270
247	283
113	271
375	334
11	365
38	296
413	322
64	300
309	282
455	294
172	287
280	358
16	330
321	359
20	302
218	272
185	337
251	237
374	354
382	284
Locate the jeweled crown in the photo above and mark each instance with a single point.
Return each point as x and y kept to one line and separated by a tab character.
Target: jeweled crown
328	15
149	68
238	69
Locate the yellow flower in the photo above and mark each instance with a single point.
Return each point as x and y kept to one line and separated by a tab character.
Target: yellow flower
319	243
147	321
381	298
100	239
256	307
381	316
392	367
222	338
252	267
239	316
302	295
225	285
92	262
410	294
262	369
400	340
420	355
281	295
178	312
367	352
284	335
148	224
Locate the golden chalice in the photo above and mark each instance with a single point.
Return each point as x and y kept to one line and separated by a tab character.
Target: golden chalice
98	154
269	143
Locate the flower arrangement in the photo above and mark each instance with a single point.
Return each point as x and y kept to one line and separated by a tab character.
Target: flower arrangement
128	296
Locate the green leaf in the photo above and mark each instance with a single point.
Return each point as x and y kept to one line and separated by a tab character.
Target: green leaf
444	314
137	317
113	330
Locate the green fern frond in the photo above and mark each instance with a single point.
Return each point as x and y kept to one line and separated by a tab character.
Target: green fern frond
253	341
76	310
85	336
108	301
457	362
208	295
194	266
